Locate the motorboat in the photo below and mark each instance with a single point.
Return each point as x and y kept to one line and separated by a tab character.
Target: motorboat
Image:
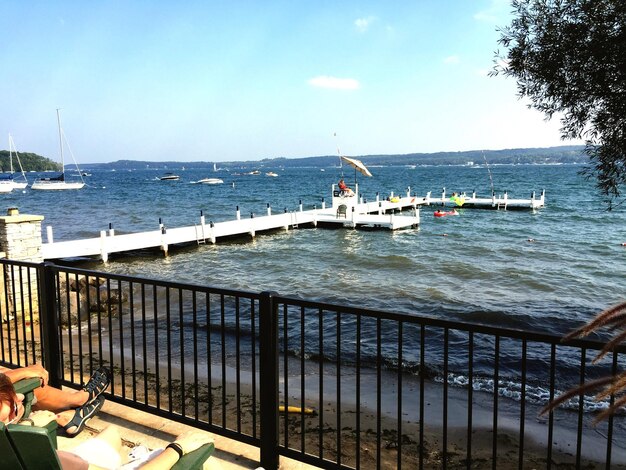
271	173
169	177
210	181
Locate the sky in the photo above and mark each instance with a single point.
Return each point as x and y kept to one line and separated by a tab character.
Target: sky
245	80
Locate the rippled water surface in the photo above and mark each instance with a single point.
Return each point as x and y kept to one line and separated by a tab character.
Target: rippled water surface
479	266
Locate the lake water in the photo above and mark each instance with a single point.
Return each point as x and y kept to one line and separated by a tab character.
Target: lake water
483	269
478	267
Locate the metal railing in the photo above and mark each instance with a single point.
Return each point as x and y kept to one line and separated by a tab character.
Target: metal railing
330	385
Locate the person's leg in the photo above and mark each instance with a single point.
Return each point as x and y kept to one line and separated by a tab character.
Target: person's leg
53	399
103	449
111	436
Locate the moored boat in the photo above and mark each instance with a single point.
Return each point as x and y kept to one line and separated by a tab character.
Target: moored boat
210	181
169	177
58	182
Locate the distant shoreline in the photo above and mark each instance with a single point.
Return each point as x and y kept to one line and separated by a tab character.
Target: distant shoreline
565	154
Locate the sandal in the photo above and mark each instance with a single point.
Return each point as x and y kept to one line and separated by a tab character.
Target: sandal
82	415
97	384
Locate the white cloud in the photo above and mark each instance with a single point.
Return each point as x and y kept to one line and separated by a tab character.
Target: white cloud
334	83
363	24
493	13
453	59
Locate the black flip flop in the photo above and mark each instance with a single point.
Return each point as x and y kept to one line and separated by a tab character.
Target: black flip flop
82	415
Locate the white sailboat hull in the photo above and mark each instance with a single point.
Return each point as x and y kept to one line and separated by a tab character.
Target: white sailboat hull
55	185
19	185
6	186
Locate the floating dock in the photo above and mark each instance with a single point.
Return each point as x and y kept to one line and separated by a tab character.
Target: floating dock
345	211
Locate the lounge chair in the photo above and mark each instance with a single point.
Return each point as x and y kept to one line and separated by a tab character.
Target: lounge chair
9	456
35	448
27	388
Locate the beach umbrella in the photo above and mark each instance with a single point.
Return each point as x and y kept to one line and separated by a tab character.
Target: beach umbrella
357	165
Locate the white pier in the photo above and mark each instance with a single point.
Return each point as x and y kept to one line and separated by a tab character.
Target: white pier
494	202
350	211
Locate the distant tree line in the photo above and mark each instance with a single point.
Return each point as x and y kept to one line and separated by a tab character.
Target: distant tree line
29	161
551	155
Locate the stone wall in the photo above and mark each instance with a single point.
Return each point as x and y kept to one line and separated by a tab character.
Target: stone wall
20	239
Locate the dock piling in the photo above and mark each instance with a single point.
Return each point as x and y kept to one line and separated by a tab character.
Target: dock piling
103	251
111	231
164	246
238	214
49	234
269	209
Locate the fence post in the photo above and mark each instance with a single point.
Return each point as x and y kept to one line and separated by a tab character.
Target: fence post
48	317
268	382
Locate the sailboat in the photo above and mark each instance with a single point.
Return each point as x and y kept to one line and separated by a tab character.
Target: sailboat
20	182
58	182
7	180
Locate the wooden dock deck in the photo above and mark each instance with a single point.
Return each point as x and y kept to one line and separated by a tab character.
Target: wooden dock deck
344	211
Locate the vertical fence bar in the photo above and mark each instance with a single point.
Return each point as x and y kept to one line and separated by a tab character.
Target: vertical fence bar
31	310
496	391
181	347
320	334
133	353
302	381
379	366
168	339
338	391
268	368
470	397
254	366
609	436
223	345
79	329
49	324
399	409
144	346
285	376
89	328
194	307
444	418
238	361
209	361
522	418
422	399
121	347
157	366
358	390
110	328
581	404
551	415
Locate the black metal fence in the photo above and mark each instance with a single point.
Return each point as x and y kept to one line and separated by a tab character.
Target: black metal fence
330	385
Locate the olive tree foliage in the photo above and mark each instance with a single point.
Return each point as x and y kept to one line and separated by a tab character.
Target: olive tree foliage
569	57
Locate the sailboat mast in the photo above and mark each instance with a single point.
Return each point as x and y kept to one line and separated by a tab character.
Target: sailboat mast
11	145
60	142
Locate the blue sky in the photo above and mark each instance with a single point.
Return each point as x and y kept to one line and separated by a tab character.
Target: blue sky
246	80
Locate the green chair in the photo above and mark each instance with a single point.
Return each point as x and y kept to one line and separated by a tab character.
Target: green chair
7	453
27	388
196	458
35	449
